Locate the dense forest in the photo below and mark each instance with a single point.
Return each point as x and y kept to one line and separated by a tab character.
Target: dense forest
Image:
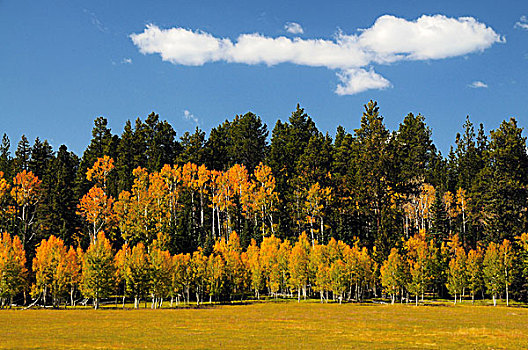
383	200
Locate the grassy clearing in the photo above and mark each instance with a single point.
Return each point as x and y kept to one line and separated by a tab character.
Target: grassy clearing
269	325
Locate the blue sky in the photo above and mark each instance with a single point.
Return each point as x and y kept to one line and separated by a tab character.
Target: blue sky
63	63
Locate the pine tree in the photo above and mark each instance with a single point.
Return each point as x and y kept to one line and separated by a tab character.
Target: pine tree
6	161
59	208
372	184
505	182
193	147
247	141
288	142
413	149
22	155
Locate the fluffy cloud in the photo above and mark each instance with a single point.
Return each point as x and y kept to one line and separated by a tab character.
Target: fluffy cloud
356	80
293	28
478	85
389	40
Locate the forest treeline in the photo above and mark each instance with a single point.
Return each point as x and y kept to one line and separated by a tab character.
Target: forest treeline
371	188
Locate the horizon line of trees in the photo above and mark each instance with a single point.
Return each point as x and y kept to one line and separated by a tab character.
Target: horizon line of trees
334	271
373	186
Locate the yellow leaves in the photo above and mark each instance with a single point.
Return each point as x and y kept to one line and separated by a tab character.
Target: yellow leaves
4	186
56	268
461	200
97	208
100	170
26	188
12	265
449	203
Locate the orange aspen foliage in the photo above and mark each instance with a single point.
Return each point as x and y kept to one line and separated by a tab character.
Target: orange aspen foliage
26	192
264	198
255	268
299	265
97	208
100	170
13	270
70	271
204	176
48	264
269	263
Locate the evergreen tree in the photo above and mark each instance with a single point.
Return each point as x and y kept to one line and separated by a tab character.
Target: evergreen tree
127	153
22	155
247	141
288	142
504	181
5	157
344	210
102	143
413	150
41	156
57	213
161	145
372	183
217	147
193	148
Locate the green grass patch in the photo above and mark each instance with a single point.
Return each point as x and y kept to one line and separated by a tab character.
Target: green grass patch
269	325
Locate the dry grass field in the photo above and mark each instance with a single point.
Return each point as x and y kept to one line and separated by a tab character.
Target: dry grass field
270	325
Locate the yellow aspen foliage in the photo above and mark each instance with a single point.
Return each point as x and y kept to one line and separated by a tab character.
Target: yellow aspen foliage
269	263
98	270
26	191
48	266
393	274
299	265
100	170
97	209
161	266
13	272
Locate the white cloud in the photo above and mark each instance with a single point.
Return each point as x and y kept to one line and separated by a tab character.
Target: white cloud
293	28
478	84
428	37
389	40
189	116
356	80
522	23
126	61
